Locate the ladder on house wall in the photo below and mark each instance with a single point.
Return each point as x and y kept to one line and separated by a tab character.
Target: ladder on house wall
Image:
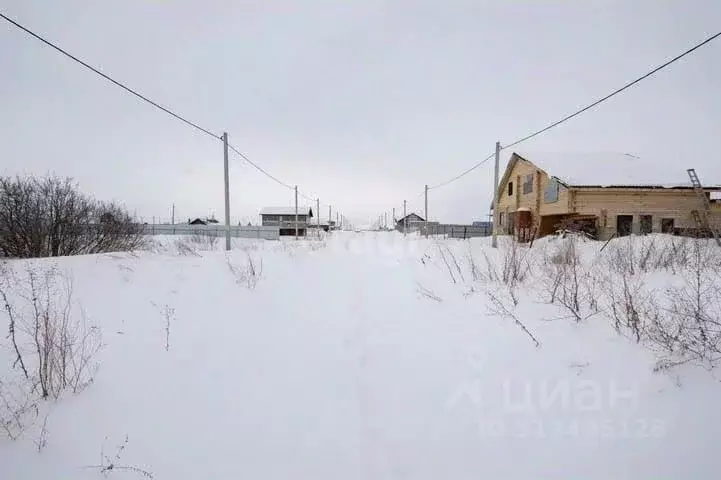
702	216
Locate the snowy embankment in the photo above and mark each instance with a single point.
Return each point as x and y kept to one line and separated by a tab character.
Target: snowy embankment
371	356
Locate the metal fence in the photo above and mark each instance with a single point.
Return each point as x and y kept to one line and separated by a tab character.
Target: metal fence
238	231
457	231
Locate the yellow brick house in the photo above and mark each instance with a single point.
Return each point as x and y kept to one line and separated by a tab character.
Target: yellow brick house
615	194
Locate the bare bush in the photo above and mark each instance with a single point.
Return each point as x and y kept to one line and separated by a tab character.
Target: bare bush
168	314
204	240
247	274
514	268
452	271
630	304
503	307
682	322
689	325
58	346
634	255
18	408
566	282
50	217
109	464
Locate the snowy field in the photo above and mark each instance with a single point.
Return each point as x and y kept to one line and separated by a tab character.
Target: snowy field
370	356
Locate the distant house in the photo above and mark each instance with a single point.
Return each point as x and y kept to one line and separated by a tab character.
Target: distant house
211	220
197	221
285	219
412	222
605	194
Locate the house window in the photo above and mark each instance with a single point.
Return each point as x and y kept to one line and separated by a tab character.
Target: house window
646	224
528	184
550	193
624	225
510	189
667	225
501	218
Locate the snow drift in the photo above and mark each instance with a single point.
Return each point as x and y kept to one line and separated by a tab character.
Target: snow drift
375	356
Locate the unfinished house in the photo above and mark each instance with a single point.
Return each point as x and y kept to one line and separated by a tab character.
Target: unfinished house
603	195
285	219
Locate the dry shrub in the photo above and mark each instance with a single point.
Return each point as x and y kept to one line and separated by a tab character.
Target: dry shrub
680	322
248	273
565	280
515	266
688	327
18	408
203	240
54	345
48	217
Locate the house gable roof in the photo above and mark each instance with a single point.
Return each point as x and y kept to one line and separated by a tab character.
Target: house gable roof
412	214
286	211
602	170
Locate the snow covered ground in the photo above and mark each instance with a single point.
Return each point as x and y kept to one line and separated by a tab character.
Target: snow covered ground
362	356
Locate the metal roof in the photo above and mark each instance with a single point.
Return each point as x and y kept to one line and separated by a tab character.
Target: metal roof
284	210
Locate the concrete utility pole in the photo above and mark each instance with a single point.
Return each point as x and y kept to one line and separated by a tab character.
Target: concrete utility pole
337	220
330	218
385	220
227	191
296	212
172	215
394	218
405	220
317	214
494	226
426	213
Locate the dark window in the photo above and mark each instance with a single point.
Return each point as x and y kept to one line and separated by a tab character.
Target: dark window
550	193
510	188
623	225
667	225
528	184
646	224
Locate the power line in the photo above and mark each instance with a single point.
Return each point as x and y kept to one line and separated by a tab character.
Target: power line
260	169
615	92
146	99
466	172
107	77
584	109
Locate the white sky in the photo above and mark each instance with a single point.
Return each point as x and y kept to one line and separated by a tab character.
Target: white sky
359	103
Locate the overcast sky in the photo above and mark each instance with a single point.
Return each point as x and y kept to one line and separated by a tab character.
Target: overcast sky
360	103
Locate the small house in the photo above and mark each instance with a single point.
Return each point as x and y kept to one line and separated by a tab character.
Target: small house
287	219
410	223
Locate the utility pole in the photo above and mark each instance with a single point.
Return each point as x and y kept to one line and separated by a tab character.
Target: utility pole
172	215
426	214
317	214
494	226
227	191
296	212
394	218
405	220
337	220
385	220
330	218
